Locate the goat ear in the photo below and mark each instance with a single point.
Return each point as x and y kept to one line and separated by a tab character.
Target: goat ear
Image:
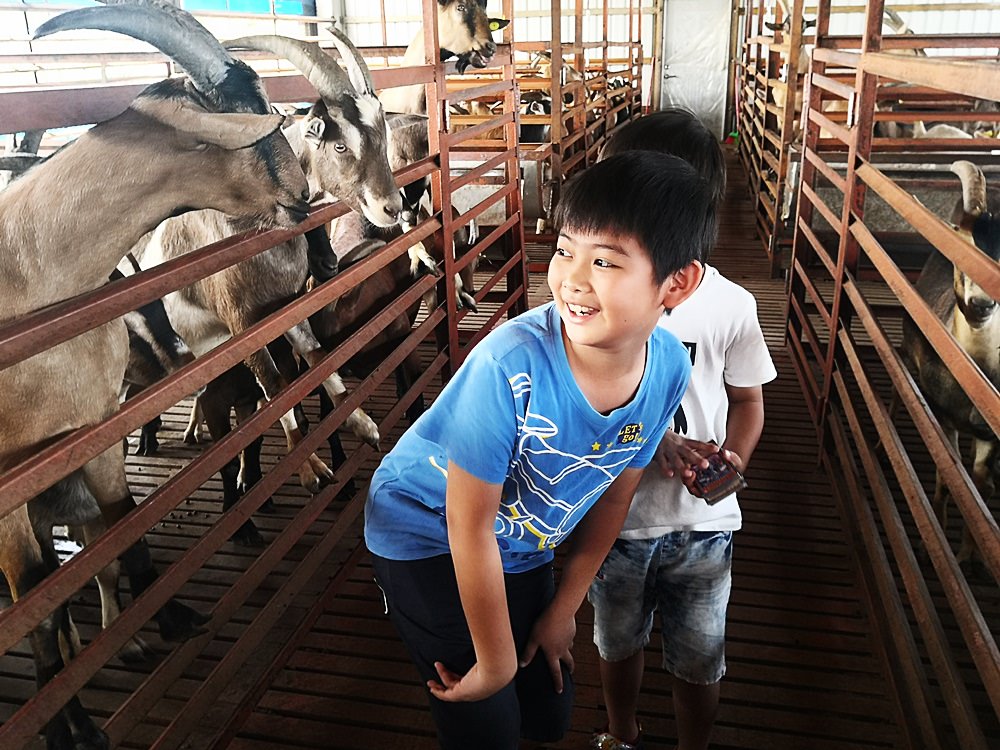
235	131
810	23
228	130
314	129
773	26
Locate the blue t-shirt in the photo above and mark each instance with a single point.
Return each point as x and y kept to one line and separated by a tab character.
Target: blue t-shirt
513	415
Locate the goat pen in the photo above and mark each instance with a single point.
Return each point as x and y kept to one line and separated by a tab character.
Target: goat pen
261	589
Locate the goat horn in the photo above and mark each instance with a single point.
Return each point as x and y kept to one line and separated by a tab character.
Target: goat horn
18	164
357	69
321	70
973	187
171	30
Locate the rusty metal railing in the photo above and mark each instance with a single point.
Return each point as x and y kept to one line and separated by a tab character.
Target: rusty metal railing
850	286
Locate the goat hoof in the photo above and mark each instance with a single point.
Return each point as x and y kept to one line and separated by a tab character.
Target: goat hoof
178	622
136	651
86	736
147	446
363	427
323	472
467	301
248	535
309	481
348	491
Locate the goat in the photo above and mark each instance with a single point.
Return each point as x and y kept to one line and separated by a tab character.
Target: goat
205	141
341	147
463	30
941	130
974	320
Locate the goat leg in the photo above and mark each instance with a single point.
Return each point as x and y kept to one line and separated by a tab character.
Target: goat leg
337	455
420	258
313	474
216	410
969	556
149	445
357	421
25	565
136	650
105	478
192	434
304	343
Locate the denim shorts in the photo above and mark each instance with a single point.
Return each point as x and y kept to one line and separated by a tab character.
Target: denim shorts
686	577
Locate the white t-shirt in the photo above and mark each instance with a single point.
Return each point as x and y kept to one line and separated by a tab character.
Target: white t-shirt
718	325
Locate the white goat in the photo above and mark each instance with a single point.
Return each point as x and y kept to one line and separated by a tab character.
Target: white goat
204	141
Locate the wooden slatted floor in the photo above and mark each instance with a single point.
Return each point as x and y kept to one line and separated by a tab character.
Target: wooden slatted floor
802	668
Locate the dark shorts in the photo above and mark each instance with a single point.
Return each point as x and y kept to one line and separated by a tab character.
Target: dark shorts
422	601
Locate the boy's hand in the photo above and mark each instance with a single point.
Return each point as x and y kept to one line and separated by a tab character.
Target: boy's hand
475	685
680	457
554	635
734	458
730	456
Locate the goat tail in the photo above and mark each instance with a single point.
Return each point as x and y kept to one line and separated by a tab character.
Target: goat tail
973	187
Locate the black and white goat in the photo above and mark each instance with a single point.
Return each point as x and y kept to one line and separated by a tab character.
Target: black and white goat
973	318
465	31
203	141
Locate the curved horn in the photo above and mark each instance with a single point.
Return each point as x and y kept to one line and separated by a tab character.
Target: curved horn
319	68
357	68
171	30
18	164
973	187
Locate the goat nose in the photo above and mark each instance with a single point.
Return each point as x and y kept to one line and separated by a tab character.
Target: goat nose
982	306
391	211
490	47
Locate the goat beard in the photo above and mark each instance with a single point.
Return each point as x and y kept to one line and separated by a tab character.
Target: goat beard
475	58
256	223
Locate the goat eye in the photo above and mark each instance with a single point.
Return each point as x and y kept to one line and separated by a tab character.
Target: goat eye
461	8
339	148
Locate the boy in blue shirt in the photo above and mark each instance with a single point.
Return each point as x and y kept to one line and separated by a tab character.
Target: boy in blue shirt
544	429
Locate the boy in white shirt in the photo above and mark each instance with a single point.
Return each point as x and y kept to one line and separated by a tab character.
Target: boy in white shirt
674	552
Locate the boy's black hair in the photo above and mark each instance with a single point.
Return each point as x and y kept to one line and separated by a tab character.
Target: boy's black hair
657	199
679	132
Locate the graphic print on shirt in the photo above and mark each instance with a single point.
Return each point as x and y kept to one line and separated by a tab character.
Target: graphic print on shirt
680	425
541	501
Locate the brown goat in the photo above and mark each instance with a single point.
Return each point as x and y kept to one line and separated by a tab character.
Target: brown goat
973	318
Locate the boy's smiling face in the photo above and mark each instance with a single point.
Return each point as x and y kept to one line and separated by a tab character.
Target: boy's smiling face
605	291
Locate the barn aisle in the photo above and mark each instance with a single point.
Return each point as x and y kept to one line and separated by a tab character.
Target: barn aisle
803	671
